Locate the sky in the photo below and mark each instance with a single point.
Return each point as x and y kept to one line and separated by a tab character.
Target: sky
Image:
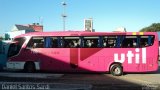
107	15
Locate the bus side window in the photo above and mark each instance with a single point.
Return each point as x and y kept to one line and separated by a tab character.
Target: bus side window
48	42
71	42
76	43
36	42
118	41
54	42
150	40
91	42
94	43
111	42
143	43
130	42
146	41
104	42
51	42
67	43
40	43
30	44
88	43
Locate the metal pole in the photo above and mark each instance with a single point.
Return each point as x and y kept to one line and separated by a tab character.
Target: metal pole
64	15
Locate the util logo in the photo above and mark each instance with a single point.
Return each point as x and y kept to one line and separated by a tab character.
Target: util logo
130	55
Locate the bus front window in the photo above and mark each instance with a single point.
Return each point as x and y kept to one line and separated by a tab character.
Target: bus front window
14	48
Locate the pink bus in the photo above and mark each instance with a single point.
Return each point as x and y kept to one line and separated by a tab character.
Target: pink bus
73	51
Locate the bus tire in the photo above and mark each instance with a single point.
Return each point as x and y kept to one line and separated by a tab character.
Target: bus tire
29	67
116	70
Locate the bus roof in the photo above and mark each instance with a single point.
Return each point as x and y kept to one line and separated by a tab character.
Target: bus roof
83	33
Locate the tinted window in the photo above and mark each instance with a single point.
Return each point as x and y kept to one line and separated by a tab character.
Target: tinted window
51	42
146	41
90	42
36	42
129	42
109	41
71	42
15	47
117	41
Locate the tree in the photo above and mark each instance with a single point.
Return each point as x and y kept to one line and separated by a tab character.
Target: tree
155	27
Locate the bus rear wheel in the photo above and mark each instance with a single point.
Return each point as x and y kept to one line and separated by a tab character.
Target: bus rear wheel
116	70
29	67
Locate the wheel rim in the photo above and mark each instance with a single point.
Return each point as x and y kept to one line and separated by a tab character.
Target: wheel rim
117	70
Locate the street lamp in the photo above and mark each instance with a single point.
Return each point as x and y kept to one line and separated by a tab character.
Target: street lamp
64	15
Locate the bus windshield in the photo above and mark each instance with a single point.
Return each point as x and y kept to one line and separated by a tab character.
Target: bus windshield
15	46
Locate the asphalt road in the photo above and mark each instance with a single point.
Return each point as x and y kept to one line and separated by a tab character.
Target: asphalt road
50	81
89	81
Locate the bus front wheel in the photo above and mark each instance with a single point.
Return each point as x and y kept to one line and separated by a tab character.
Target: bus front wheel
116	70
29	67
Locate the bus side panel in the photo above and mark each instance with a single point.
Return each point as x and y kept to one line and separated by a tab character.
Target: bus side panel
151	60
131	58
56	59
73	58
147	60
91	60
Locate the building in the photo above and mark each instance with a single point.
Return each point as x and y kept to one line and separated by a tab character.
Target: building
36	27
120	29
88	25
22	29
17	30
